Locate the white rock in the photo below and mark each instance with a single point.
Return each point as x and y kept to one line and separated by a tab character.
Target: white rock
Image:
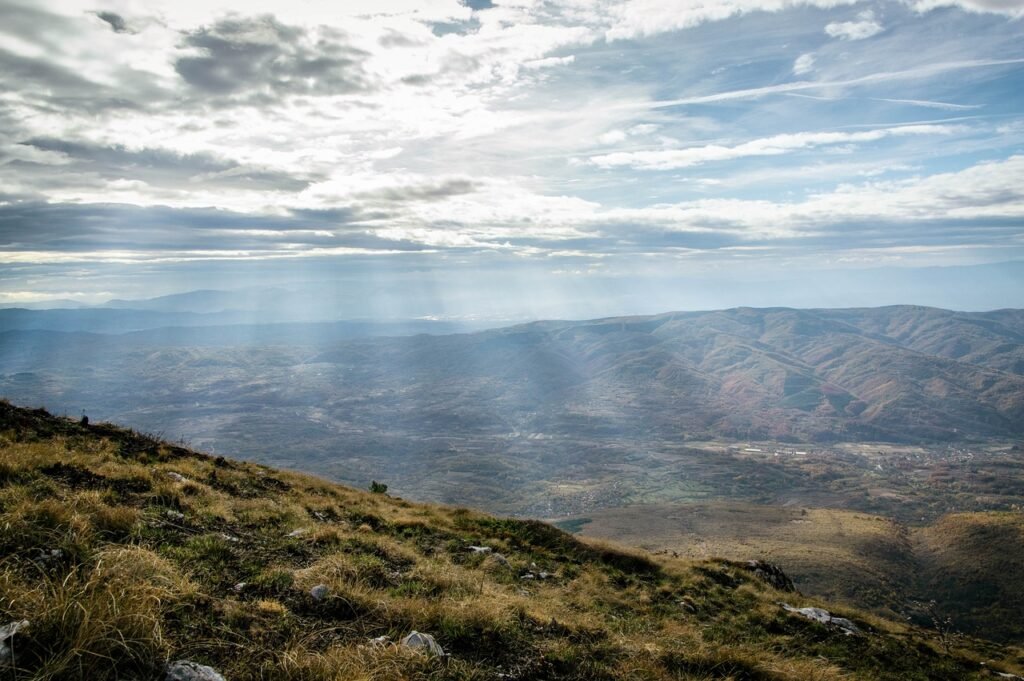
380	641
500	559
424	642
177	477
297	533
320	592
480	549
186	670
825	617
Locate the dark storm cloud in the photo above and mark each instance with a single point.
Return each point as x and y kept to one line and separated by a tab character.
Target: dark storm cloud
164	167
116	21
262	59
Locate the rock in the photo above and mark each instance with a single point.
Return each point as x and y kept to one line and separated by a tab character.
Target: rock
545	575
825	617
177	477
772	574
7	633
320	592
227	537
380	641
480	549
177	516
424	642
500	559
186	670
528	575
297	533
240	587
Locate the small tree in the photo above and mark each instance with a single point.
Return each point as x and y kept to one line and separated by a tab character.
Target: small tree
378	487
948	635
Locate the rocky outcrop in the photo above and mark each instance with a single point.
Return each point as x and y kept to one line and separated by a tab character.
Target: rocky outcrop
772	574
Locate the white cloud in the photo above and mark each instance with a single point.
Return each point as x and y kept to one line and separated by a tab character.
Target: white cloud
915	73
670	159
1011	8
803	64
865	27
639	18
548	62
612	136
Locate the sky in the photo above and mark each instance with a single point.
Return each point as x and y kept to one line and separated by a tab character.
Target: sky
519	158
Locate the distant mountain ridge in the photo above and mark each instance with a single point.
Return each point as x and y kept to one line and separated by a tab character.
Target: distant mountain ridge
886	373
902	373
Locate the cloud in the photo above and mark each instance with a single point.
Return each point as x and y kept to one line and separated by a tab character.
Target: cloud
803	64
430	190
923	71
1011	8
670	159
929	104
865	27
640	18
178	131
261	57
90	163
116	22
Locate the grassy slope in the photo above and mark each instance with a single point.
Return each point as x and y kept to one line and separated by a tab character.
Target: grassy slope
148	566
973	562
969	563
834	554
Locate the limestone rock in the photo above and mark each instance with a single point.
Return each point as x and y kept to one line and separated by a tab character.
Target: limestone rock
424	642
825	617
186	670
320	592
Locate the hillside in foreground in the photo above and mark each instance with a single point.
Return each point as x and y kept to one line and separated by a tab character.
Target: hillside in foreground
123	553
